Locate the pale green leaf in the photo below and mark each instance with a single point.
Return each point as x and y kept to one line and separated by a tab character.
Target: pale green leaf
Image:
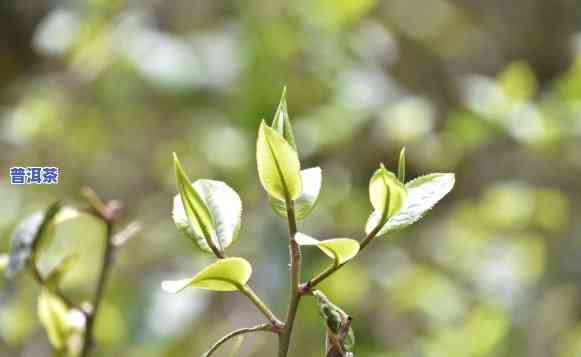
278	165
26	239
387	193
340	250
66	213
53	314
225	208
423	193
224	275
197	213
281	121
311	182
73	240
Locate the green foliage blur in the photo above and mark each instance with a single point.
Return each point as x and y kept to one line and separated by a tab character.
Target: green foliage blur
106	90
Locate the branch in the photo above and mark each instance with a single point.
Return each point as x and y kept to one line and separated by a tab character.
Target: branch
295	281
277	325
55	290
108	213
98	297
257	301
262	327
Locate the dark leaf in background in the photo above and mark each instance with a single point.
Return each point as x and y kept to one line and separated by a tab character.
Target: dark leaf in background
26	238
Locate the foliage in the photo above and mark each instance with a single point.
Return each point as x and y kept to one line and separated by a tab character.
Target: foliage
105	89
203	214
69	325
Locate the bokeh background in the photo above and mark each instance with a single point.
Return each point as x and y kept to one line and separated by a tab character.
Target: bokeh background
106	90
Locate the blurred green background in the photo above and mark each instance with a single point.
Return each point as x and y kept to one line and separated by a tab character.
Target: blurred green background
490	90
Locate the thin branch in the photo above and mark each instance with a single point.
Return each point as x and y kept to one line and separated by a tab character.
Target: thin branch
94	201
261	327
98	297
295	281
55	290
257	301
108	213
274	321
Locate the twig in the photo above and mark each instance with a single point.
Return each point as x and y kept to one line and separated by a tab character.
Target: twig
108	213
94	201
42	282
261	327
257	301
306	287
98	297
295	276
277	325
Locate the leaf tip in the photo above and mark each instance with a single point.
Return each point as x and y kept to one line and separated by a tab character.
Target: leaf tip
452	177
176	163
174	286
401	166
176	160
303	239
382	167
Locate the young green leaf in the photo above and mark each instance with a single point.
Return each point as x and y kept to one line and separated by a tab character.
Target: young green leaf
423	193
228	274
225	209
197	213
53	314
401	166
340	250
281	121
66	213
387	193
278	165
26	239
311	182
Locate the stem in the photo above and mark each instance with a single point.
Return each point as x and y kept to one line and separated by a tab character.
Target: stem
262	327
295	281
96	303
274	321
257	301
305	288
55	290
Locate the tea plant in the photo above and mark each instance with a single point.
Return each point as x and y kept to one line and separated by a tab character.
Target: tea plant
69	325
209	213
